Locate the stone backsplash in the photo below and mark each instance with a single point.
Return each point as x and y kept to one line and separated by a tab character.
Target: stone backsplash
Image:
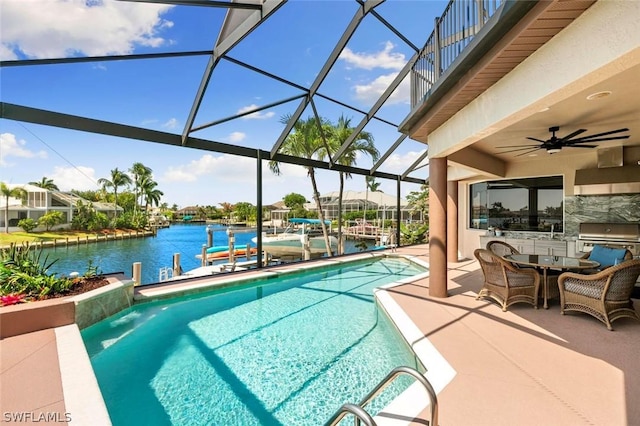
599	208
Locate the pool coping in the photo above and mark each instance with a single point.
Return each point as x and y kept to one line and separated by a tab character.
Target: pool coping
406	406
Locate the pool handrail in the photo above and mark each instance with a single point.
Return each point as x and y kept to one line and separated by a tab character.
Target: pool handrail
346	408
359	413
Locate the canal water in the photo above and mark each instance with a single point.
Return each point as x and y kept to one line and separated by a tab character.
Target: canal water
154	253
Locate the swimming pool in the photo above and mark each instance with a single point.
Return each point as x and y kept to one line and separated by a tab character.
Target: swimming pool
283	351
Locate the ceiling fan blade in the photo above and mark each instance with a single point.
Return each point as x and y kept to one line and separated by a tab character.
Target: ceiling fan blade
528	152
537	140
610	132
517	146
581	146
571	135
612	138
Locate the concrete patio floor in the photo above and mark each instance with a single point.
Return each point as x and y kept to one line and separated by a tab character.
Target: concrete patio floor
525	366
521	367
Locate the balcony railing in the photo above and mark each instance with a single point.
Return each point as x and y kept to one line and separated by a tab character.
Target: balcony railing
453	31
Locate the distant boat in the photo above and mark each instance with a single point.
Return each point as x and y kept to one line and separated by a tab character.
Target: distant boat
289	242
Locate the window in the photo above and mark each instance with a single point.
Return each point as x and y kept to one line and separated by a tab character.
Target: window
533	204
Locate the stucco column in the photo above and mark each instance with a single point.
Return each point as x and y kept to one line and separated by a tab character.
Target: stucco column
452	221
438	227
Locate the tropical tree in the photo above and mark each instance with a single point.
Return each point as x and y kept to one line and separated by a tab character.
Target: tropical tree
307	141
150	194
118	180
419	202
17	192
141	175
370	185
293	200
227	209
46	183
363	143
244	211
89	195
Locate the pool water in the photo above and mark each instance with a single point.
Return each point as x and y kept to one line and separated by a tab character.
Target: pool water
283	351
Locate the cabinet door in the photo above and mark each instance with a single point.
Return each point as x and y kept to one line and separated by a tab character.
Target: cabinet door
524	246
551	248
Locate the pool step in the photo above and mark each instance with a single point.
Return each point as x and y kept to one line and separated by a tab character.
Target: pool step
361	414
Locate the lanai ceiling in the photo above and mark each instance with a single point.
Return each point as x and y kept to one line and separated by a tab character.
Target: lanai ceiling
620	109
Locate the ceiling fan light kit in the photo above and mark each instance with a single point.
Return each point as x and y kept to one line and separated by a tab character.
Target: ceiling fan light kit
554	144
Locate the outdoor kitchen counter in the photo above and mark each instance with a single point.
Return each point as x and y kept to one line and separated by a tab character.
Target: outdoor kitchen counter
533	245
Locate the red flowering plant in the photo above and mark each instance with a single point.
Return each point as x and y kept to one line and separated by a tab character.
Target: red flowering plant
12	299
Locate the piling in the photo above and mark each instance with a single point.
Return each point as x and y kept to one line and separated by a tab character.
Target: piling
305	246
137	273
177	270
209	236
232	251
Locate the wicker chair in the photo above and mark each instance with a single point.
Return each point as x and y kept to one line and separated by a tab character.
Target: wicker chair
627	256
605	295
501	248
505	283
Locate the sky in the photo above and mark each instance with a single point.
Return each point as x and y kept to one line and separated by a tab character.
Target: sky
157	94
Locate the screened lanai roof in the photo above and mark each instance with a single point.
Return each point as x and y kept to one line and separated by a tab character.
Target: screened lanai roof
268	63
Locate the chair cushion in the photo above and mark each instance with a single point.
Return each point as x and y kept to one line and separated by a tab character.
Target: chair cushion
607	256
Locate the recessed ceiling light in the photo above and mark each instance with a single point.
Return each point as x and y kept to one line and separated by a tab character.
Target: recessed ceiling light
533	155
553	150
598	95
544	109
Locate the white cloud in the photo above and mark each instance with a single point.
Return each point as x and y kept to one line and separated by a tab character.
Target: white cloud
58	28
236	137
256	115
371	92
399	164
11	147
229	169
385	58
171	124
81	178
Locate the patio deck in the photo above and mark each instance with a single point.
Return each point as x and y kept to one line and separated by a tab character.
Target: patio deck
524	366
521	367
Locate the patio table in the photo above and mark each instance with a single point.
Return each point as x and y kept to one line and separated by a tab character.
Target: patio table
545	263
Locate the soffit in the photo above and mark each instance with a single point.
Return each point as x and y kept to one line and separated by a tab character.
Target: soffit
541	24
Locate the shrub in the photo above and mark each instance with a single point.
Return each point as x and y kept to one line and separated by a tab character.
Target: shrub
27	224
23	271
50	219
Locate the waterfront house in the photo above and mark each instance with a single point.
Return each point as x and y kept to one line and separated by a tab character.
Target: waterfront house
489	112
39	201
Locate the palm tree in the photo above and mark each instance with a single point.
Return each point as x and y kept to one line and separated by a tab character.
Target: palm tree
306	142
371	185
7	193
140	172
118	179
363	143
148	191
46	183
152	196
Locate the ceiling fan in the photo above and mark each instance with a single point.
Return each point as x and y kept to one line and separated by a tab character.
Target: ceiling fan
555	144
